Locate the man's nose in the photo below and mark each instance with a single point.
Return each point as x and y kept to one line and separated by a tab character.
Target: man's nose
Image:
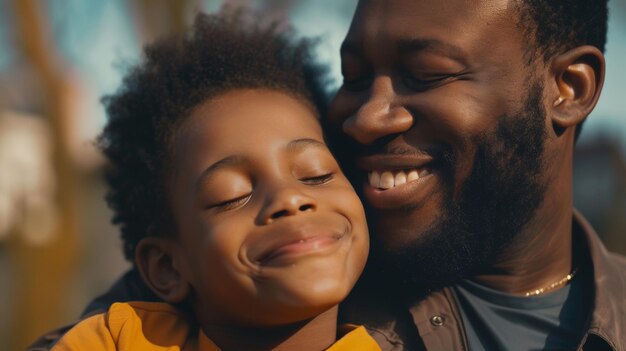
381	115
285	202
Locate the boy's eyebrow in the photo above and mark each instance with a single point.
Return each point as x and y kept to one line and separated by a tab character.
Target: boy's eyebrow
298	144
223	163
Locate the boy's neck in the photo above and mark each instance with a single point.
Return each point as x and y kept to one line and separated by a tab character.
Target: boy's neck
314	334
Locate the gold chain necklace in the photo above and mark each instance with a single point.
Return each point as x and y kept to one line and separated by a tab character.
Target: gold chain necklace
562	281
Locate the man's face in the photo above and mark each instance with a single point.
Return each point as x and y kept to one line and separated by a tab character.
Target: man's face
442	119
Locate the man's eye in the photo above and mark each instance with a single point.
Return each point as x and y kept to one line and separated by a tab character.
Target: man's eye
426	81
232	203
419	84
318	180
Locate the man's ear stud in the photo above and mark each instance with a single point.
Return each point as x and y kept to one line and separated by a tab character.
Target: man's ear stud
558	101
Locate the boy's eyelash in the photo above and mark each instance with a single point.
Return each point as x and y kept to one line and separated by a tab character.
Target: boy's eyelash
318	180
232	203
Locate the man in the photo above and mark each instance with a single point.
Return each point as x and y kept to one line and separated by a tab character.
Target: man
461	119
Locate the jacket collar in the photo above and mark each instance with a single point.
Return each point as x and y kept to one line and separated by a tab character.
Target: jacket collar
608	320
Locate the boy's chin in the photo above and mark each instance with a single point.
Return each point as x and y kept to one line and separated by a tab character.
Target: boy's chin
309	286
296	302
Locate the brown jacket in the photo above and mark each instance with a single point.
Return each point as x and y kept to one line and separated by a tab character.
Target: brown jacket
435	322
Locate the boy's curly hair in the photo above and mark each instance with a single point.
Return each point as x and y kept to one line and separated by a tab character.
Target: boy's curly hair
220	53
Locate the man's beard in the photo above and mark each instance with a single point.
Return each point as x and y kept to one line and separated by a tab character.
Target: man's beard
496	201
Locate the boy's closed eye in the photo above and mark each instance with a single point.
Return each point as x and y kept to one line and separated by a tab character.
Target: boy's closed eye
242	200
230	183
231	203
318	180
238	201
225	189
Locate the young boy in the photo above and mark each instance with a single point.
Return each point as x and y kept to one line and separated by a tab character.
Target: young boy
230	203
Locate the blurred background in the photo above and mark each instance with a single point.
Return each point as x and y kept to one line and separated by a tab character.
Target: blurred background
57	58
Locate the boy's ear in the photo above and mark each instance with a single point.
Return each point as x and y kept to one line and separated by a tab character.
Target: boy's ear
155	260
578	77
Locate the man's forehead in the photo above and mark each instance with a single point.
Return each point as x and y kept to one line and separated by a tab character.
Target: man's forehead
391	19
464	30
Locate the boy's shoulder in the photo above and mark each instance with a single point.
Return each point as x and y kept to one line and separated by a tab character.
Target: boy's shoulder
154	318
160	326
128	326
354	337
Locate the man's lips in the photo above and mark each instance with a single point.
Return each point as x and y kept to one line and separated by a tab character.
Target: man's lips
293	242
386	172
395	181
390	162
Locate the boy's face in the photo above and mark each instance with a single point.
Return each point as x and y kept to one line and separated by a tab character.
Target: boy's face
269	231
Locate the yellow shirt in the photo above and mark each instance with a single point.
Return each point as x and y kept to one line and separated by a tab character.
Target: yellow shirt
160	327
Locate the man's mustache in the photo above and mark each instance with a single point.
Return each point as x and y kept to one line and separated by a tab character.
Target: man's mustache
348	149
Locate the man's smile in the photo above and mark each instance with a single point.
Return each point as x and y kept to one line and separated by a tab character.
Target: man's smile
395	181
384	180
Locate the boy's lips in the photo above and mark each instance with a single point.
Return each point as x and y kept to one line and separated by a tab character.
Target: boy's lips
286	243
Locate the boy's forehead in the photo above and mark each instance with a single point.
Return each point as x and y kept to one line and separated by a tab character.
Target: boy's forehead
245	119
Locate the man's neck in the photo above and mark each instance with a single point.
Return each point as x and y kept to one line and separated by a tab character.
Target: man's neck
315	334
540	255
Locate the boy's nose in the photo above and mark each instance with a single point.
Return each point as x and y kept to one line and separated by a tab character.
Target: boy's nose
381	115
286	202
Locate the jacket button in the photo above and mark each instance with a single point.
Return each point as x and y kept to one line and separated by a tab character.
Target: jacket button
437	321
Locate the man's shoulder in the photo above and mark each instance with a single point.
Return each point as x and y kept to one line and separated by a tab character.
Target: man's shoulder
609	270
399	324
619	260
615	271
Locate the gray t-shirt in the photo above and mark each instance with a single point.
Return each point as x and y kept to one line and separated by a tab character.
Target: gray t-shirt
497	321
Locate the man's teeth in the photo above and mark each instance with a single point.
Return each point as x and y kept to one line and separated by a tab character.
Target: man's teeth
386	180
399	179
389	179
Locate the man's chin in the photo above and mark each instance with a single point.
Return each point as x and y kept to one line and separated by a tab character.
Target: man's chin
418	249
396	233
409	225
428	258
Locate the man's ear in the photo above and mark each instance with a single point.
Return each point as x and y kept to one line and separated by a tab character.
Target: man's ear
155	259
578	77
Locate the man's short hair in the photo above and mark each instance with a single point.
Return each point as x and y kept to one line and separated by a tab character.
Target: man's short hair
555	26
220	53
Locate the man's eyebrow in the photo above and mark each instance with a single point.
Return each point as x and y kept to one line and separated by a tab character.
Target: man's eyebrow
350	47
407	46
414	45
298	144
229	161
